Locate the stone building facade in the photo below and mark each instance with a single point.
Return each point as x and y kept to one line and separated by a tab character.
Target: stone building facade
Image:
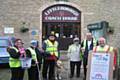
28	13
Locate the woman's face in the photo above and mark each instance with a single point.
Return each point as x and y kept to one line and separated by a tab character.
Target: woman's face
19	43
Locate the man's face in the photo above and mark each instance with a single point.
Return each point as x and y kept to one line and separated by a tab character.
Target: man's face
89	36
102	43
52	37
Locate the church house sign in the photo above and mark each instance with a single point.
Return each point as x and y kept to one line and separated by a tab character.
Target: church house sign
61	13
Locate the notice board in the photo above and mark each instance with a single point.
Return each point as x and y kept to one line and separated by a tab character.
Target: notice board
100	66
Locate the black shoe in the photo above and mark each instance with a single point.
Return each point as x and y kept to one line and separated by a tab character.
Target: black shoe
71	76
77	76
44	79
84	78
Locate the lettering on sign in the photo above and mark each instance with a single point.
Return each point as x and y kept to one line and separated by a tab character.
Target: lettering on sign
61	13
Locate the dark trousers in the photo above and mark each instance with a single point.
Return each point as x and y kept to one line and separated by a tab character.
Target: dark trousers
85	60
72	67
17	73
33	73
48	65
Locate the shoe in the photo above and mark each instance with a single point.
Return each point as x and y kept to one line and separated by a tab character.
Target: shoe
84	78
77	76
59	78
44	79
56	78
71	76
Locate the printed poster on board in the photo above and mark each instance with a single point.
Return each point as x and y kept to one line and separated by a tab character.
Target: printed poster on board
100	66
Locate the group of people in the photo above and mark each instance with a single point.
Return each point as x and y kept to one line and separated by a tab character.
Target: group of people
17	52
49	55
79	53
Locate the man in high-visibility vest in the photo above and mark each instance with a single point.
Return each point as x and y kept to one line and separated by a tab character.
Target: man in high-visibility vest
50	47
16	52
102	46
86	46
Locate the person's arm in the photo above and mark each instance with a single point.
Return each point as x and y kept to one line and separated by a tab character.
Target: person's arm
45	54
115	57
39	55
69	52
13	53
28	53
82	47
82	44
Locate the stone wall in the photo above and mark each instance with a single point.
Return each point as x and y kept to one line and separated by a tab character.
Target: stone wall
14	12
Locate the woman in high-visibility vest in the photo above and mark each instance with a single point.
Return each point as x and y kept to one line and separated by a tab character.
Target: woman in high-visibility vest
16	52
33	71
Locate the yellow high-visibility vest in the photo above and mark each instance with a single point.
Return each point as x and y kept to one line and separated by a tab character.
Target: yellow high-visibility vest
94	43
33	53
105	48
14	63
52	48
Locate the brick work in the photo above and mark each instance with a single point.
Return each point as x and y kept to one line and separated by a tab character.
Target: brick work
14	12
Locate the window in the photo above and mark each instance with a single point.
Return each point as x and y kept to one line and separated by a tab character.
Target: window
3	42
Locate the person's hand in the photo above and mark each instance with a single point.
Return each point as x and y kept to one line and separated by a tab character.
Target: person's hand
41	50
36	62
87	66
83	50
113	68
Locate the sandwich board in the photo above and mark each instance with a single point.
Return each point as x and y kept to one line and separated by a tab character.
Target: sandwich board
100	66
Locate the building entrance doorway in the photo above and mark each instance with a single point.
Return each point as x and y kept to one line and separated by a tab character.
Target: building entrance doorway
62	30
64	21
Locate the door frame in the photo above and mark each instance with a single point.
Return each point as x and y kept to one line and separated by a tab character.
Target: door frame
55	3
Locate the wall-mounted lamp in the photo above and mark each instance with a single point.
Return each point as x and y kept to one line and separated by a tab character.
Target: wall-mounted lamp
24	29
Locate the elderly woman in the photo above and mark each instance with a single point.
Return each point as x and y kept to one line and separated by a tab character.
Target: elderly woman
75	57
33	71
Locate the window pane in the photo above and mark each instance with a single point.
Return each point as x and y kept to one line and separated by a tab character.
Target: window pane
3	42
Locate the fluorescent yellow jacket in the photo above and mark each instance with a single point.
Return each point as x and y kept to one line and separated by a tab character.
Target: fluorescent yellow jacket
94	43
52	48
14	63
33	53
106	48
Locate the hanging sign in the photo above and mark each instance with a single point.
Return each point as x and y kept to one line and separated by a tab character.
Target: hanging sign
61	13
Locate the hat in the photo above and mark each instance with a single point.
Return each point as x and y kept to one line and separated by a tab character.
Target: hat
52	34
33	41
76	39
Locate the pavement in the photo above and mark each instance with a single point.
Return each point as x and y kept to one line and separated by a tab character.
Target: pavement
5	72
5	75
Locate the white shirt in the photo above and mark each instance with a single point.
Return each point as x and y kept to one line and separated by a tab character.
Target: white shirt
74	52
89	43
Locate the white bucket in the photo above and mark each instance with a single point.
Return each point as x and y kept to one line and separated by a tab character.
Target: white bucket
25	62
